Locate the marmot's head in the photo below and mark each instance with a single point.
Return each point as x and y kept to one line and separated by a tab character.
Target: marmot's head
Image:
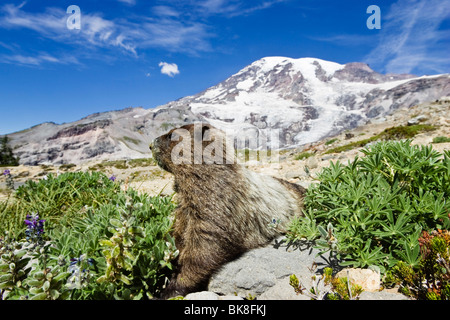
192	144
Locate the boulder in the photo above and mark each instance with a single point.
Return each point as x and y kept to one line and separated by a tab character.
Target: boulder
258	270
417	120
382	295
208	295
368	279
282	290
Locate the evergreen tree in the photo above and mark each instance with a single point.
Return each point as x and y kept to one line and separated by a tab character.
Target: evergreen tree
6	154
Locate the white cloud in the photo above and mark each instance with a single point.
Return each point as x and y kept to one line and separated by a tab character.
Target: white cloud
177	26
129	2
49	23
170	69
167	31
165	11
176	36
232	8
37	60
410	39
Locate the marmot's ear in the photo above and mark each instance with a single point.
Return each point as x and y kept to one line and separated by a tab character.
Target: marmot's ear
205	131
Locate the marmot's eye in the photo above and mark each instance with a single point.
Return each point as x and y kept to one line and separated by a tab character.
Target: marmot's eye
177	137
205	130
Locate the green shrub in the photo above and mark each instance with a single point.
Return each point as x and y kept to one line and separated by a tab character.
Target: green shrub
441	139
394	133
303	155
331	141
141	162
124	164
372	211
119	248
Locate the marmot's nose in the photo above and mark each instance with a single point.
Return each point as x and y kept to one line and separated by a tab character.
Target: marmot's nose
151	146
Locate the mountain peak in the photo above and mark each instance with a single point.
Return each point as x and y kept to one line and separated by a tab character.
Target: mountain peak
304	65
289	102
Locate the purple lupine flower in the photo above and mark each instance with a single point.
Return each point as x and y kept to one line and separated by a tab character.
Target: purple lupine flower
112	178
35	227
6	172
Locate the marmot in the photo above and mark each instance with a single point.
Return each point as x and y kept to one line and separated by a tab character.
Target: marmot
224	209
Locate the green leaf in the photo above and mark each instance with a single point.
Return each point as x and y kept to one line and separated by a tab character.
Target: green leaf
40	296
36	290
107	243
20	253
61	276
6	285
116	223
102	279
6	277
54	294
125	279
115	252
46	285
322	231
39	275
4	267
35	283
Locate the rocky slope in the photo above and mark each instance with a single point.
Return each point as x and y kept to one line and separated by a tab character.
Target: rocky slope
153	180
275	102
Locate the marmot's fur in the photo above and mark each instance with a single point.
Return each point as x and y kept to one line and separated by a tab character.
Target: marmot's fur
224	208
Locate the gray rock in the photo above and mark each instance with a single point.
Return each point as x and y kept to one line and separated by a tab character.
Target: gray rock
264	274
230	297
283	291
295	175
260	269
382	295
208	295
417	120
202	295
312	162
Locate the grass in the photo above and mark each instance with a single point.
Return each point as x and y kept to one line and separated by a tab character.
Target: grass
441	139
56	198
135	141
331	141
393	133
124	164
303	155
245	155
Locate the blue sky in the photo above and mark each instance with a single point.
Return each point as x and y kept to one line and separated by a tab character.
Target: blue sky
130	53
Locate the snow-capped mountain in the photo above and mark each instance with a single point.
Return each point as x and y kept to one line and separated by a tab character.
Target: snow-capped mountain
306	99
281	102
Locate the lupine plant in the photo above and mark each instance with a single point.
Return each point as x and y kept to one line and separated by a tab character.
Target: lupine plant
9	179
377	206
35	228
14	268
119	249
